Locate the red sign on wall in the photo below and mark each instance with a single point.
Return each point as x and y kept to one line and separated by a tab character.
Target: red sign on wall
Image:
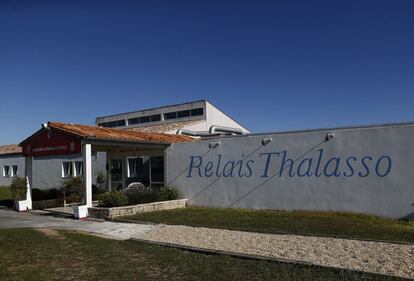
51	142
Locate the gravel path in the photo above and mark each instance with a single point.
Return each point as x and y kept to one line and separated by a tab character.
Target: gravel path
378	257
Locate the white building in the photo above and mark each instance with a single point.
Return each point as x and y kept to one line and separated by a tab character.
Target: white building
197	116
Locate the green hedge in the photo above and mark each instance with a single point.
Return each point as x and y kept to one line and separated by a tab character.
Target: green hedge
168	193
45	194
120	198
114	199
19	188
74	189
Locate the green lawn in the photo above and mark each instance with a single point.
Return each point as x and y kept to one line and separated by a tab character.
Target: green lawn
32	255
331	224
5	193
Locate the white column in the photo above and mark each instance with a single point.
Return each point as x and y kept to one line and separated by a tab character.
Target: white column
29	177
124	171
87	175
150	173
108	171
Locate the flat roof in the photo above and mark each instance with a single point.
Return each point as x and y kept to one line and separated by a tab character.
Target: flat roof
341	128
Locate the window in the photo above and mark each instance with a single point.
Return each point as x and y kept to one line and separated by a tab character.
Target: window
67	169
14	171
157	169
197	111
135	166
183	113
156	117
170	115
6	171
120	122
111	124
144	119
116	123
102	124
132	121
78	168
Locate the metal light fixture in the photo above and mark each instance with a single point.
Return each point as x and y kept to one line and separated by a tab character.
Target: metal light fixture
329	136
213	144
265	141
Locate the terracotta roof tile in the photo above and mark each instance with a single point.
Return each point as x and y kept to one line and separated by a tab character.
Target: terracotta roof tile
10	149
118	134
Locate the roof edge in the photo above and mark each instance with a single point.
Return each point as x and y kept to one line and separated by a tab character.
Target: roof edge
324	129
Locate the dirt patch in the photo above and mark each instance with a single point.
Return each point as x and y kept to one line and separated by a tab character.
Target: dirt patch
52	233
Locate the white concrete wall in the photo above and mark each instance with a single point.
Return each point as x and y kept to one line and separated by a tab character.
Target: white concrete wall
47	170
366	170
9	160
217	117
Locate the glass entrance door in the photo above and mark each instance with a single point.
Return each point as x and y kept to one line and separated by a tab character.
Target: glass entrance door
157	171
117	172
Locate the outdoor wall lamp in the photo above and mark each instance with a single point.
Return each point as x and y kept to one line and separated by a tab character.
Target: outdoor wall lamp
329	136
47	128
266	141
213	144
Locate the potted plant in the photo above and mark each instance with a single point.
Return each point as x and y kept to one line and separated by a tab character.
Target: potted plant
19	192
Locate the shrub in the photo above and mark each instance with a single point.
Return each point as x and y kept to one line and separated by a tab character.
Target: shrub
140	197
168	193
45	194
114	199
97	190
19	188
74	189
100	183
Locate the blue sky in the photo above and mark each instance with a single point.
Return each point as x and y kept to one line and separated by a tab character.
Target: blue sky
271	65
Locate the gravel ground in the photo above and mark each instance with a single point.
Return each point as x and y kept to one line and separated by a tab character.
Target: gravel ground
377	257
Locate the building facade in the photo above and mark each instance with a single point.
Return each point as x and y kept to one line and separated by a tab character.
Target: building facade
11	163
367	169
194	116
50	170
